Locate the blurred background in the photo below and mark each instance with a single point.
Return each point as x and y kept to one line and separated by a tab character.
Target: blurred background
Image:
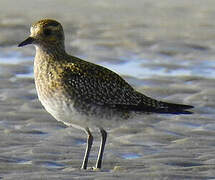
165	49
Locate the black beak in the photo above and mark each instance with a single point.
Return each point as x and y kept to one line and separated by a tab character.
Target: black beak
29	40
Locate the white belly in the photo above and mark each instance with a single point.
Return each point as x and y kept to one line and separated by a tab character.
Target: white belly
64	112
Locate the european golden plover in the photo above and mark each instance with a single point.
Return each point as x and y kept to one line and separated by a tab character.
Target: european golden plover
82	94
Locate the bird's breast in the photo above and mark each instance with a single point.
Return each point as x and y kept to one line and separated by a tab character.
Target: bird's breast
49	80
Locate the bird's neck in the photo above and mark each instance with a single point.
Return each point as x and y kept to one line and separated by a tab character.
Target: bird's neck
50	52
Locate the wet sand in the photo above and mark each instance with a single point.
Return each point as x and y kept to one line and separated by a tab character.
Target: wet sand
163	48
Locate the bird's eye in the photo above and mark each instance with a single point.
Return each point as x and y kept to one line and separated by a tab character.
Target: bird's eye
47	32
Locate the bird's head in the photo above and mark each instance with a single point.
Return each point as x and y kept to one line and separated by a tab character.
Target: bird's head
45	33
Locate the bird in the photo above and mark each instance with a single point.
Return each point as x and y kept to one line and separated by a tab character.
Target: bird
82	94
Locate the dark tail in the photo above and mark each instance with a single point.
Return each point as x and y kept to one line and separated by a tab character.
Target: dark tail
171	108
149	105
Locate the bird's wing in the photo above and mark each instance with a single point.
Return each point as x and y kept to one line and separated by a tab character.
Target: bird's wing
96	84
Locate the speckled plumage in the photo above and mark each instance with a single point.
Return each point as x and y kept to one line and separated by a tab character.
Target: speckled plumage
69	87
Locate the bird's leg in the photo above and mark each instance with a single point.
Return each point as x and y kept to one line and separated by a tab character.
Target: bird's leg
101	149
88	148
